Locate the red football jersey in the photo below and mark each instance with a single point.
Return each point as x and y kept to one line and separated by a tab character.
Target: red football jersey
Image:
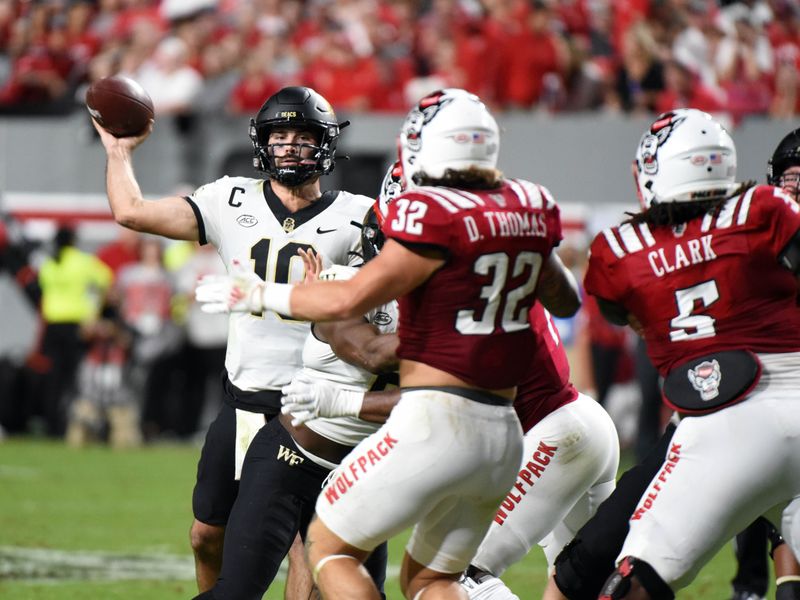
714	284
547	386
470	318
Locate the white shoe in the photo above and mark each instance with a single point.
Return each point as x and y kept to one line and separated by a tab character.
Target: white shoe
486	587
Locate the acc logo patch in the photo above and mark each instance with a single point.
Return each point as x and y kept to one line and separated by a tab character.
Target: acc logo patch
705	378
381	318
247	220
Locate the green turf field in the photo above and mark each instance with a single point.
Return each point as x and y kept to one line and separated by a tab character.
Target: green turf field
113	525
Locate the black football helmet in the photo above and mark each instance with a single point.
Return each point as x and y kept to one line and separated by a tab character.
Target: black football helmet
301	108
372	237
786	155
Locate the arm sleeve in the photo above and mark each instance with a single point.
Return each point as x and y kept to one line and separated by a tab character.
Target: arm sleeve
205	202
604	276
778	216
553	217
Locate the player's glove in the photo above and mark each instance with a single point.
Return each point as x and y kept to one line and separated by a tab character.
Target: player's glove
306	399
240	291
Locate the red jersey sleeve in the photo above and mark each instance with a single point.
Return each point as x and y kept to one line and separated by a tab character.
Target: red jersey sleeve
605	278
417	218
776	215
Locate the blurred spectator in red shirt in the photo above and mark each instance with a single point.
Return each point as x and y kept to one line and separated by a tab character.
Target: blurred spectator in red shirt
140	46
685	90
744	63
339	63
83	43
255	84
439	70
528	56
786	99
122	251
134	12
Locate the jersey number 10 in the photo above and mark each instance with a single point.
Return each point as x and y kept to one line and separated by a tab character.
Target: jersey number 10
259	254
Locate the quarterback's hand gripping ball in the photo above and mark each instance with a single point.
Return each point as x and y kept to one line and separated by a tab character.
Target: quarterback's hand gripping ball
306	399
240	291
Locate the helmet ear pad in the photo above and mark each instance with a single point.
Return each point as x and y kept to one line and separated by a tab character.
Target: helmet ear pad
297	108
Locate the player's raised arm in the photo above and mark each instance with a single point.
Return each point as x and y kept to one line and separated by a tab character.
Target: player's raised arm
171	216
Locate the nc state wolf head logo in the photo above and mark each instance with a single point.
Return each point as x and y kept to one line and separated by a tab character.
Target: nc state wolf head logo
659	132
421	115
705	378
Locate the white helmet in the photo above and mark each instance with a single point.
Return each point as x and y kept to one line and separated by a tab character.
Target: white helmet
685	155
392	186
448	129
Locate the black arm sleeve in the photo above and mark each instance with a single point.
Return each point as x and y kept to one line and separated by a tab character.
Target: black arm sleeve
613	312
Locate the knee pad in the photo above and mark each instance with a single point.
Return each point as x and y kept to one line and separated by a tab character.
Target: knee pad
619	584
580	575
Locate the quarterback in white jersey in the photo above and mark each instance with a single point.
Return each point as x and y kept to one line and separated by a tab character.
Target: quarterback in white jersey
293	461
262	224
247	223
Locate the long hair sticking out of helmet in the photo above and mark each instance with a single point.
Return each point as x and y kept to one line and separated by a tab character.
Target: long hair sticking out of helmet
450	138
685	166
298	108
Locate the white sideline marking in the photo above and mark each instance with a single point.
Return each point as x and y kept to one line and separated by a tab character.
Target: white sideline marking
45	564
42	564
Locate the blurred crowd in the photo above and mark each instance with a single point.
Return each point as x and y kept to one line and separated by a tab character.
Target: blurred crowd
639	56
116	349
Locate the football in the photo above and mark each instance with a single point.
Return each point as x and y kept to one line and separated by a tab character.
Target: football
120	105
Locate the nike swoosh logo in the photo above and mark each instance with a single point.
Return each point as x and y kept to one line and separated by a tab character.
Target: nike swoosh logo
319	230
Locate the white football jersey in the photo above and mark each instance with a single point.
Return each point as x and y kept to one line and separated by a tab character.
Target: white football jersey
319	362
245	221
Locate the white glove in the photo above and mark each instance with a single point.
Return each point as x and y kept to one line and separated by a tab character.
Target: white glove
240	291
306	399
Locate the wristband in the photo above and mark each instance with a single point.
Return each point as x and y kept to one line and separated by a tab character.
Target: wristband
348	402
275	296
